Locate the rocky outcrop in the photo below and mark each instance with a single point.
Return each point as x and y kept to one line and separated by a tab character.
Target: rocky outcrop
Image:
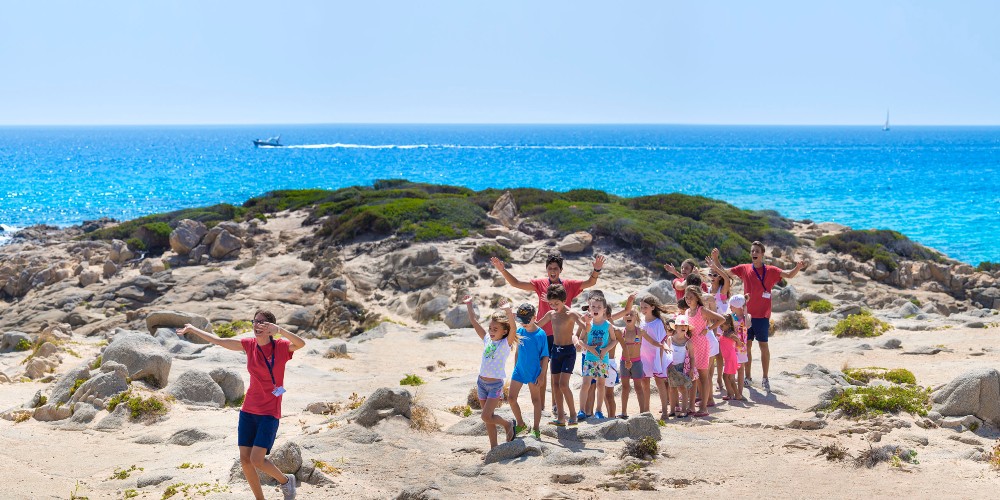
383	403
504	211
975	392
144	357
175	319
575	243
198	388
231	382
186	236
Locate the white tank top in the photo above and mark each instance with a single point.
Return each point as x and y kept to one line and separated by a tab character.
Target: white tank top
680	351
721	303
494	358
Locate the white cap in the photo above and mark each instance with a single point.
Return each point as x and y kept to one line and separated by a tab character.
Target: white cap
737	301
681	320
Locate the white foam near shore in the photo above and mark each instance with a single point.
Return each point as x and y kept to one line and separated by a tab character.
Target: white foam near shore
7	233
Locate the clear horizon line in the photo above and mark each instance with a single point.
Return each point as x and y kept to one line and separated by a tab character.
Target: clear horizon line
625	124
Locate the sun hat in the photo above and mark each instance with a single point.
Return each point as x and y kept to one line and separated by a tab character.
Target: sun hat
737	301
681	320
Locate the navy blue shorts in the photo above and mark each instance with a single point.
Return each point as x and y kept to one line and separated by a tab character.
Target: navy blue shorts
759	328
257	430
562	358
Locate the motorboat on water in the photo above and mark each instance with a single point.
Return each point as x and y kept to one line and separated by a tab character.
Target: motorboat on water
271	141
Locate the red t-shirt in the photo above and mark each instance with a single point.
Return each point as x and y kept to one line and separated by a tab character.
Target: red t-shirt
680	293
573	288
755	284
259	400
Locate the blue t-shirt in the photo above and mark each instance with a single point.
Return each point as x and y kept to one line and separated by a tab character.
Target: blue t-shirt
598	338
534	346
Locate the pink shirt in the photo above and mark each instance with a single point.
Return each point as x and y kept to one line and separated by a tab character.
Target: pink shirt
757	282
259	400
573	288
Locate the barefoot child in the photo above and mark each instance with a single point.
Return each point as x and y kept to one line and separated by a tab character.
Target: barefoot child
530	364
597	340
492	370
261	410
731	366
630	367
562	356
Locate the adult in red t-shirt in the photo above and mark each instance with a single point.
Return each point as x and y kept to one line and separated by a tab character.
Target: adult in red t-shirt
258	425
758	281
553	271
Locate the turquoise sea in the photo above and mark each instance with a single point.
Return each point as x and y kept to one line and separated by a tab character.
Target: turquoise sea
938	185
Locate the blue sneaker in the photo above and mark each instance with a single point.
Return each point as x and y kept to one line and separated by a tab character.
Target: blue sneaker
599	415
580	415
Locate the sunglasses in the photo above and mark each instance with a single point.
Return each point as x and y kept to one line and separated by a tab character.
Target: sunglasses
258	322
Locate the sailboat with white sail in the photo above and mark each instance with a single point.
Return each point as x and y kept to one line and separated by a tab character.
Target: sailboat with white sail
885	128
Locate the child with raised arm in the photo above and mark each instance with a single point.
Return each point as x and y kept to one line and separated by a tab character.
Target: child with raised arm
597	340
492	370
261	409
530	365
562	356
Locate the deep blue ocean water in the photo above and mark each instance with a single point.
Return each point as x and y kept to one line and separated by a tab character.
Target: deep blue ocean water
938	185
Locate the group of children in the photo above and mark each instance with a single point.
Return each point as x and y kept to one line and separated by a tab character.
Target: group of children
675	348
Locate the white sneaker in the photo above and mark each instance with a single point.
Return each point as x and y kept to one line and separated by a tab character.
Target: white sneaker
748	382
766	385
288	489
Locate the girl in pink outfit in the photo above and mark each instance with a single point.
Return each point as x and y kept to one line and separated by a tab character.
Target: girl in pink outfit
721	286
728	343
741	321
701	320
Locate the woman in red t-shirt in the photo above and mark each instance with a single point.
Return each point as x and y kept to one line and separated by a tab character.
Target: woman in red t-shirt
258	425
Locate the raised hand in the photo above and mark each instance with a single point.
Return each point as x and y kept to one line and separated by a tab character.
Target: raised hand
497	263
467	300
715	255
599	263
670	269
588	318
504	304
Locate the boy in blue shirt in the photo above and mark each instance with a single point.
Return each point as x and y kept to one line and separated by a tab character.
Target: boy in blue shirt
530	365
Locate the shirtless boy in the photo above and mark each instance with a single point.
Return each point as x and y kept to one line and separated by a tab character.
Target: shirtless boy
562	356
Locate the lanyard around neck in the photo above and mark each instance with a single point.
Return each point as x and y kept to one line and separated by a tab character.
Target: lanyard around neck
270	366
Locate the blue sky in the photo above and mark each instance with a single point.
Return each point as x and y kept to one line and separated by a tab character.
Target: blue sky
186	62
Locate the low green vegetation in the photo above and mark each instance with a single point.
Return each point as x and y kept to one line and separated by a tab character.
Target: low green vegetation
461	410
138	406
643	449
861	402
22	345
663	228
326	467
189	465
894	454
627	469
76	385
821	306
121	474
488	250
897	375
411	379
879	246
833	452
193	490
97	362
229	330
862	324
988	267
994	456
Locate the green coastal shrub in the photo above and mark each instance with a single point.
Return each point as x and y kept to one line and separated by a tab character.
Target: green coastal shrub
897	375
411	379
862	324
880	246
138	406
229	330
821	306
988	267
860	402
489	250
23	345
153	231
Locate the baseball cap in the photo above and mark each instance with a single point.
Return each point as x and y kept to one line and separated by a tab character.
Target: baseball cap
525	313
681	320
737	301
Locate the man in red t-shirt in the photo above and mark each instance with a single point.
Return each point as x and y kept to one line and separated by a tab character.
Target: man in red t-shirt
758	281
553	270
